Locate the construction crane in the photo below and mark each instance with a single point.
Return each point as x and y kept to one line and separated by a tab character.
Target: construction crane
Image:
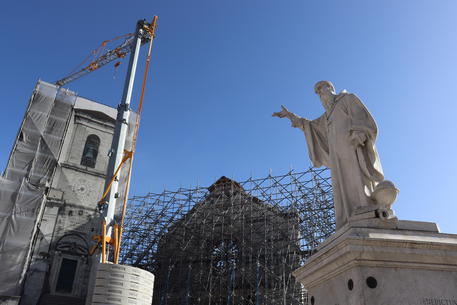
100	60
111	233
109	240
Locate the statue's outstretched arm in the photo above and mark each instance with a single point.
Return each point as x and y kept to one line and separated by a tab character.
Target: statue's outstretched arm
296	120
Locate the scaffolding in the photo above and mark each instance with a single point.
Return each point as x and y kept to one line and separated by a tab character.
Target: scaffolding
232	242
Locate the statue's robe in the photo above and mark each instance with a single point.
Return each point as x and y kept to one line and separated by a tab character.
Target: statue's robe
355	169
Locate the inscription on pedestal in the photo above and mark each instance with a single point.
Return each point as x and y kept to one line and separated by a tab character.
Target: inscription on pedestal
432	301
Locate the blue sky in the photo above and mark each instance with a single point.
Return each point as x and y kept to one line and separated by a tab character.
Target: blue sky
220	68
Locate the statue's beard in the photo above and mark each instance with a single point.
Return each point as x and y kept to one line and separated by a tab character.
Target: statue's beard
325	103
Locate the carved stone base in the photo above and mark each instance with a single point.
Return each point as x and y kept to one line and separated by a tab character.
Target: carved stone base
383	262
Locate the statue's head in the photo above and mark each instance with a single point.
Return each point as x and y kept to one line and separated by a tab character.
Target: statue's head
326	91
324	85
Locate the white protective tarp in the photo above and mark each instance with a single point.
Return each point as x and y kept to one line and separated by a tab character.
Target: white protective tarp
22	188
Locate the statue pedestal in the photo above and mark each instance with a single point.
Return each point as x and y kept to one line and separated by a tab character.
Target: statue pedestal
383	262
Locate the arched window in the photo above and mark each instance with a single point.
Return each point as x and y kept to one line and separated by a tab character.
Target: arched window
90	152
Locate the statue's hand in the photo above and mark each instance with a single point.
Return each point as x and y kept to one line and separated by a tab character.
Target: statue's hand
281	114
358	138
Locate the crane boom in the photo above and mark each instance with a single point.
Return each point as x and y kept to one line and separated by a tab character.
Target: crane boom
119	52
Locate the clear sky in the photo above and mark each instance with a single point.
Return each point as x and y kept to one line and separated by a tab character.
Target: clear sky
220	68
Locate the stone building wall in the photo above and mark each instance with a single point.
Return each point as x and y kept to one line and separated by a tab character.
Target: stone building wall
59	264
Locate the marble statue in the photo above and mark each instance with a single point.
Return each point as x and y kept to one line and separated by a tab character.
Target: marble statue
343	139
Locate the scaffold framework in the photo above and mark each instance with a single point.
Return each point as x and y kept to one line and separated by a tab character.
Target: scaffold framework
232	242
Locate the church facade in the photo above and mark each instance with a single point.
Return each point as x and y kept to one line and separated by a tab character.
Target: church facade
230	248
